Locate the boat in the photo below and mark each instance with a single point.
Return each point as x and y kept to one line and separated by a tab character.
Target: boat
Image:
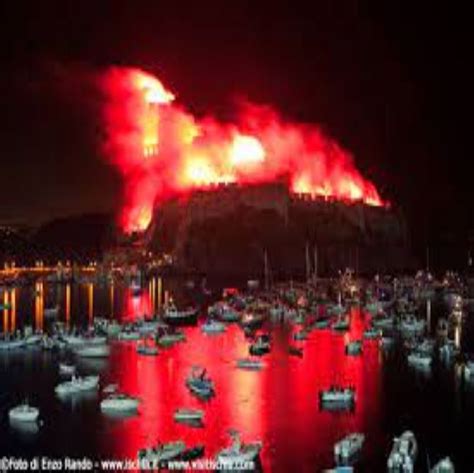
419	359
295	351
403	454
341	324
337	395
252	320
261	345
301	335
410	324
110	388
51	312
354	347
199	384
119	402
386	342
468	370
383	322
77	385
238	453
154	457
129	334
250	363
33	339
372	333
173	316
66	369
188	415
347	447
23	413
7	344
213	326
445	465
93	351
321	323
169	338
192	453
144	349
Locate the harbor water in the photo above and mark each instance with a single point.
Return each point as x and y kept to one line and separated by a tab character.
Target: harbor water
277	404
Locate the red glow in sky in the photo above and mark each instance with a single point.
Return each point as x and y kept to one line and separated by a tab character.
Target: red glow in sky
162	150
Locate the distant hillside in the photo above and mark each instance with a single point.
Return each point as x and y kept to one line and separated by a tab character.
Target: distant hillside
77	237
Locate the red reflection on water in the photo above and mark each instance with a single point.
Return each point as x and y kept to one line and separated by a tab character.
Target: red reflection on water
278	404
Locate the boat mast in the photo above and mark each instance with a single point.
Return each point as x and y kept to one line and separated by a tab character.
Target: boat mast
265	269
308	264
315	263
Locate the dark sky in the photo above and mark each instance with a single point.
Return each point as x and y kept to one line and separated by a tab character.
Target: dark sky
390	83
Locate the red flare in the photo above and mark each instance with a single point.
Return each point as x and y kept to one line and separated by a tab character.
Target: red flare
161	150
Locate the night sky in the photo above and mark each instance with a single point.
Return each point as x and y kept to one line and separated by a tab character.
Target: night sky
390	83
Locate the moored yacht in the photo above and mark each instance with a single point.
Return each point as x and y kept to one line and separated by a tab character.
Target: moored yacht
188	415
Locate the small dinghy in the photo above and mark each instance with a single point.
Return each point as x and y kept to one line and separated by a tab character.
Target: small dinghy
213	326
110	388
23	413
337	396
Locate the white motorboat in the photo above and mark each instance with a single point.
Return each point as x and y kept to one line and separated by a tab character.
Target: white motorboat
321	323
173	316
170	338
188	415
410	325
144	349
386	322
7	344
66	369
238	453
337	395
443	466
33	339
468	370
354	347
198	383
155	457
77	385
23	413
213	326
129	335
119	402
250	363
348	446
403	454
301	335
372	333
341	324
93	351
110	388
419	359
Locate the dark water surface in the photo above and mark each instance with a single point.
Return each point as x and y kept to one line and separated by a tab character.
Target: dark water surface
278	404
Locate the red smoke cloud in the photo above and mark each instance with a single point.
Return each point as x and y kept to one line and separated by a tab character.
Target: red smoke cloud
161	150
